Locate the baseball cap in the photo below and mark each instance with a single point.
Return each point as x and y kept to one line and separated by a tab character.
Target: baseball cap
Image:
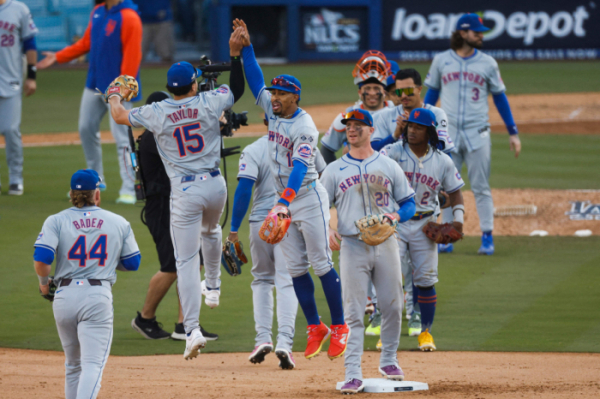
471	22
391	80
423	117
182	74
85	179
359	115
286	83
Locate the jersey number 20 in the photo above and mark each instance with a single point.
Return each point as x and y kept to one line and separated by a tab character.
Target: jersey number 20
98	251
184	138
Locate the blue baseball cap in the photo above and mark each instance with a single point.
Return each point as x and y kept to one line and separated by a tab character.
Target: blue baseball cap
471	22
423	117
391	80
286	83
359	115
85	179
182	74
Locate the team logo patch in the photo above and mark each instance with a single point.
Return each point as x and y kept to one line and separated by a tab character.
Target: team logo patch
305	150
40	236
310	139
383	152
458	176
584	210
443	123
114	89
87	214
79	282
303	138
242	167
417	114
223	90
110	27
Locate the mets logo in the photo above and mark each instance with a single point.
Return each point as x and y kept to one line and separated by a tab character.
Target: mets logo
223	90
40	236
305	150
242	167
383	152
458	176
110	27
417	113
584	210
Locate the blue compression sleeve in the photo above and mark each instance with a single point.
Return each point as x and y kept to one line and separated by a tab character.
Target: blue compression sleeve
29	44
254	74
295	180
379	144
43	255
432	96
241	202
132	263
407	209
503	107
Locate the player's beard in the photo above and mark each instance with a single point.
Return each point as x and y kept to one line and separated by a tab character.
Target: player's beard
475	44
379	101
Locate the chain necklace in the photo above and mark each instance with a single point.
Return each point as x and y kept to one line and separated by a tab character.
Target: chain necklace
421	159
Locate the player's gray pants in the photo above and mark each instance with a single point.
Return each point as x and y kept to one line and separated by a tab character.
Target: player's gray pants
91	112
10	120
306	242
478	169
360	263
195	215
422	251
407	274
269	271
84	319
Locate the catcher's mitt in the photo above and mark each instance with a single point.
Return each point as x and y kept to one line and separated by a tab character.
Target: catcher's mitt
50	295
124	86
445	233
233	257
276	224
374	229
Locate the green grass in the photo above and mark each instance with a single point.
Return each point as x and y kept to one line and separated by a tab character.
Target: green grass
534	294
55	106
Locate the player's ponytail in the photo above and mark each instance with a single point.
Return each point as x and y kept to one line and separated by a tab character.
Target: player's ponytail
81	198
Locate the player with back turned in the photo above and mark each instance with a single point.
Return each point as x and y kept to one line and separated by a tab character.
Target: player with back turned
463	76
188	137
292	140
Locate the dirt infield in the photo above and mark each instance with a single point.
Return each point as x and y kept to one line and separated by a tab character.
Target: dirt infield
450	375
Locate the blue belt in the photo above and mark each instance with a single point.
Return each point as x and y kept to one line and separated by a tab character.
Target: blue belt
187	179
421	215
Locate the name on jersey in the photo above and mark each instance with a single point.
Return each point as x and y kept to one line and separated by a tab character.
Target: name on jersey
7	26
281	140
181	114
423	179
367	178
88	223
465	76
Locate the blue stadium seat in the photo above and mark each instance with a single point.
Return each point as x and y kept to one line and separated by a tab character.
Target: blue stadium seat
38	8
77	25
53	33
75	6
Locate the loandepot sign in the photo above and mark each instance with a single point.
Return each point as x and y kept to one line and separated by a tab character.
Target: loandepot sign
525	26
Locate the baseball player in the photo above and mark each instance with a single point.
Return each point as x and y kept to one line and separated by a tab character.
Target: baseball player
187	134
292	140
370	75
113	40
428	170
364	182
390	88
17	36
464	76
89	244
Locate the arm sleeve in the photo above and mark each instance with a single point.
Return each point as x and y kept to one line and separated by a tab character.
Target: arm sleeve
130	248
434	77
130	264
432	96
503	107
131	38
442	130
295	180
328	182
320	163
255	77
402	189
407	209
336	134
48	237
148	116
328	154
29	44
43	255
452	180
28	28
236	78
79	48
221	99
241	202
494	80
377	145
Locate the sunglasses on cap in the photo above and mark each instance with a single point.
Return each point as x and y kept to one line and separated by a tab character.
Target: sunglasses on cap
356	115
281	82
409	91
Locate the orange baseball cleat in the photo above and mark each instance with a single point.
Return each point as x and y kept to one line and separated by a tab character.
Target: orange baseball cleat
317	335
339	340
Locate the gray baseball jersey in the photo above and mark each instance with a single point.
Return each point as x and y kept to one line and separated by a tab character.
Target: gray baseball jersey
335	136
88	243
465	85
252	166
438	172
186	131
16	25
386	123
376	185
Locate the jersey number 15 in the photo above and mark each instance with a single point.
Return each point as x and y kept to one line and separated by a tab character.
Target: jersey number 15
98	251
187	136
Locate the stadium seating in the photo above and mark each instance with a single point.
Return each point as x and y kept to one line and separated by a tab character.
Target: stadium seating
75	6
53	33
77	25
37	7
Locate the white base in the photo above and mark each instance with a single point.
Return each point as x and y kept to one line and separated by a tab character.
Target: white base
380	385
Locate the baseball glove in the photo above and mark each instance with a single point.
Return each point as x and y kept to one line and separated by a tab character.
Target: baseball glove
276	224
374	229
233	257
124	86
446	233
50	295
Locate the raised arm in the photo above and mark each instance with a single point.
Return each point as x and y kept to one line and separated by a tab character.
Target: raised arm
254	74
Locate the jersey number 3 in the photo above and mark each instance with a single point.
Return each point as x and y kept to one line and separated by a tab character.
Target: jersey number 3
98	251
184	138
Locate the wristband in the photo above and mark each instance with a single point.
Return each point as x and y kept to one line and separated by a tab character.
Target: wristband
288	195
31	71
236	58
512	130
458	211
43	280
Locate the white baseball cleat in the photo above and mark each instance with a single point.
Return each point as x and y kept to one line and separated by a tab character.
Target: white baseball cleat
193	343
212	295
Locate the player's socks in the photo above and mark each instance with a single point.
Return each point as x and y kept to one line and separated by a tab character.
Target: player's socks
427	302
333	293
305	292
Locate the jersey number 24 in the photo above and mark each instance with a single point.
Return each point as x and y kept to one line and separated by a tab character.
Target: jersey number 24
185	135
98	251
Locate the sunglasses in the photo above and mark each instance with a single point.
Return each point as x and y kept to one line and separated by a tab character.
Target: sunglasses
409	91
355	115
281	82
